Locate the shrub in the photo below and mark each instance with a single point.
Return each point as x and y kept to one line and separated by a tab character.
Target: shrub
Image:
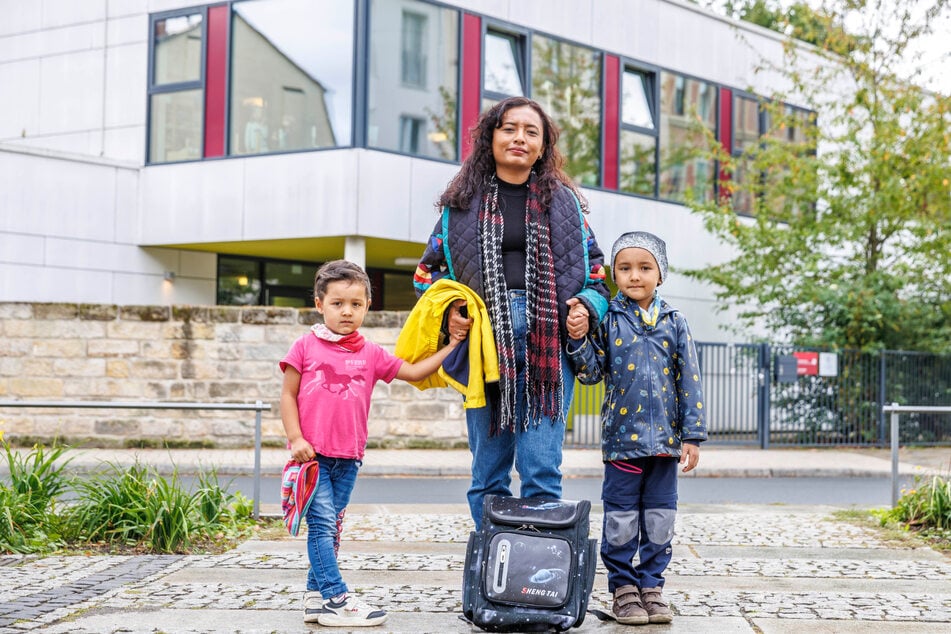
135	505
928	505
28	519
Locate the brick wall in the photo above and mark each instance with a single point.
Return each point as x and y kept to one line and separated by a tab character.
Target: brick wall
74	352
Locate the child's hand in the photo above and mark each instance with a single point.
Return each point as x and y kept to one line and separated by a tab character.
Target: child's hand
689	456
302	451
577	322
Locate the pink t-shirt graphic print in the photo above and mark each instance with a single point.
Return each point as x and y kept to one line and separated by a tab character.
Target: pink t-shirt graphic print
335	389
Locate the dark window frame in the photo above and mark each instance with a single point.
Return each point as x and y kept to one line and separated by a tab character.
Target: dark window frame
522	45
157	89
652	73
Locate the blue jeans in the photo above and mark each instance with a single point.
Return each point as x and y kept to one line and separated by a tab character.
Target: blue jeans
535	452
325	521
639	513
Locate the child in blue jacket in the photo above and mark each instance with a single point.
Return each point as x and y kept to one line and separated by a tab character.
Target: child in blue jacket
652	419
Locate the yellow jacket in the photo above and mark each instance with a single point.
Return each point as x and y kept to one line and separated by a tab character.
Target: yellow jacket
419	338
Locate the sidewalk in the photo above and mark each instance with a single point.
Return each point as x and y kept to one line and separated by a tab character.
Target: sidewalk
776	569
714	461
736	568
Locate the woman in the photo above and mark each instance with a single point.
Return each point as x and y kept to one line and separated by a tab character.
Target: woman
512	229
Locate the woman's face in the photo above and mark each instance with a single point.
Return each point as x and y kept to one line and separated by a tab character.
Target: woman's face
517	144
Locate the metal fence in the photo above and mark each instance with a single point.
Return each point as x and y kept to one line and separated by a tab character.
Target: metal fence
751	398
257	407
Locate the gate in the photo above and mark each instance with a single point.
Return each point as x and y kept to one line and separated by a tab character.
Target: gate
754	397
736	395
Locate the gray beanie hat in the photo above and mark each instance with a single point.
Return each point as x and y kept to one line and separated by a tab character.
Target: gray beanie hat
646	241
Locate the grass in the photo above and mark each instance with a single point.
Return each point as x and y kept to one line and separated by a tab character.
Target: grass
117	509
922	516
924	510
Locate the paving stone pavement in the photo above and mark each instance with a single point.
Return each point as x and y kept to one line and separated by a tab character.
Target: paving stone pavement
737	568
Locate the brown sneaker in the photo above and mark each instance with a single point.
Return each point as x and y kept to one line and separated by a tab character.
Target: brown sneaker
627	606
655	606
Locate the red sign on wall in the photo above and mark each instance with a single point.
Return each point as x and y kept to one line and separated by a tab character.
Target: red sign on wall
806	363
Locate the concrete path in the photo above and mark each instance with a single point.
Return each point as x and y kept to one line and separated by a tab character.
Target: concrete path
736	568
768	570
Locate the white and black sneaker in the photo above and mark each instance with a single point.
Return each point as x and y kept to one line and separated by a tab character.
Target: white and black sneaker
349	613
313	606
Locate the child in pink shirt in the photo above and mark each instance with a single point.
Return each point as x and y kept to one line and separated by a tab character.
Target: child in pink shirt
329	374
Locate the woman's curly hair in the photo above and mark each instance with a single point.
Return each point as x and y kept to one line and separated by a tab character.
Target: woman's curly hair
479	167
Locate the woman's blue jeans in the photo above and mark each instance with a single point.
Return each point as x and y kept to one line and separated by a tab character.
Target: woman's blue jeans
535	452
325	522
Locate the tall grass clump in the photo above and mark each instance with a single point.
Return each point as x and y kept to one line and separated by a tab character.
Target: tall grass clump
925	509
28	496
134	505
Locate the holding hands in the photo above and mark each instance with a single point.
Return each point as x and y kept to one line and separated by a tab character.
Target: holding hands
577	323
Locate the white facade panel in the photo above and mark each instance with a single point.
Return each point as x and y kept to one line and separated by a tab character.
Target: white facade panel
20	16
192	202
383	195
21	249
429	181
131	28
126	143
62	12
101	256
152	289
20	117
71	88
126	66
158	6
569	19
21	282
87	143
300	195
69	39
78	203
128	7
127	207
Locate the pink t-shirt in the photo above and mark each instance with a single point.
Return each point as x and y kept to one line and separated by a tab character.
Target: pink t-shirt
335	388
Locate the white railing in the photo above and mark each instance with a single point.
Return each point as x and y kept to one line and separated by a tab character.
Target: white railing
257	407
895	409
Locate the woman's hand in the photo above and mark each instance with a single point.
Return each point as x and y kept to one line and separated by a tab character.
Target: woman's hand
459	320
577	322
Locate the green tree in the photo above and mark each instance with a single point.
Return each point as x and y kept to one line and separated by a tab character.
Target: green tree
848	241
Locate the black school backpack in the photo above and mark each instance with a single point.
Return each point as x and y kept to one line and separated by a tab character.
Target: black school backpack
531	566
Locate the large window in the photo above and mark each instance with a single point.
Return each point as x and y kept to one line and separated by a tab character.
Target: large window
747	127
413	98
176	94
291	75
245	281
566	81
638	142
688	107
503	67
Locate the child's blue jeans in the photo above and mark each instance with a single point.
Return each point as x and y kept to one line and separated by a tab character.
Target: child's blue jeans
325	521
639	513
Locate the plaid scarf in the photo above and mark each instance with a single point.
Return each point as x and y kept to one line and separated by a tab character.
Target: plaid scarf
543	378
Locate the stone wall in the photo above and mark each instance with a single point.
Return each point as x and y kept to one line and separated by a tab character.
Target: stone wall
223	354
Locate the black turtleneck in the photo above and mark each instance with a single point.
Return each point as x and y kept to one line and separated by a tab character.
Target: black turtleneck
512	201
